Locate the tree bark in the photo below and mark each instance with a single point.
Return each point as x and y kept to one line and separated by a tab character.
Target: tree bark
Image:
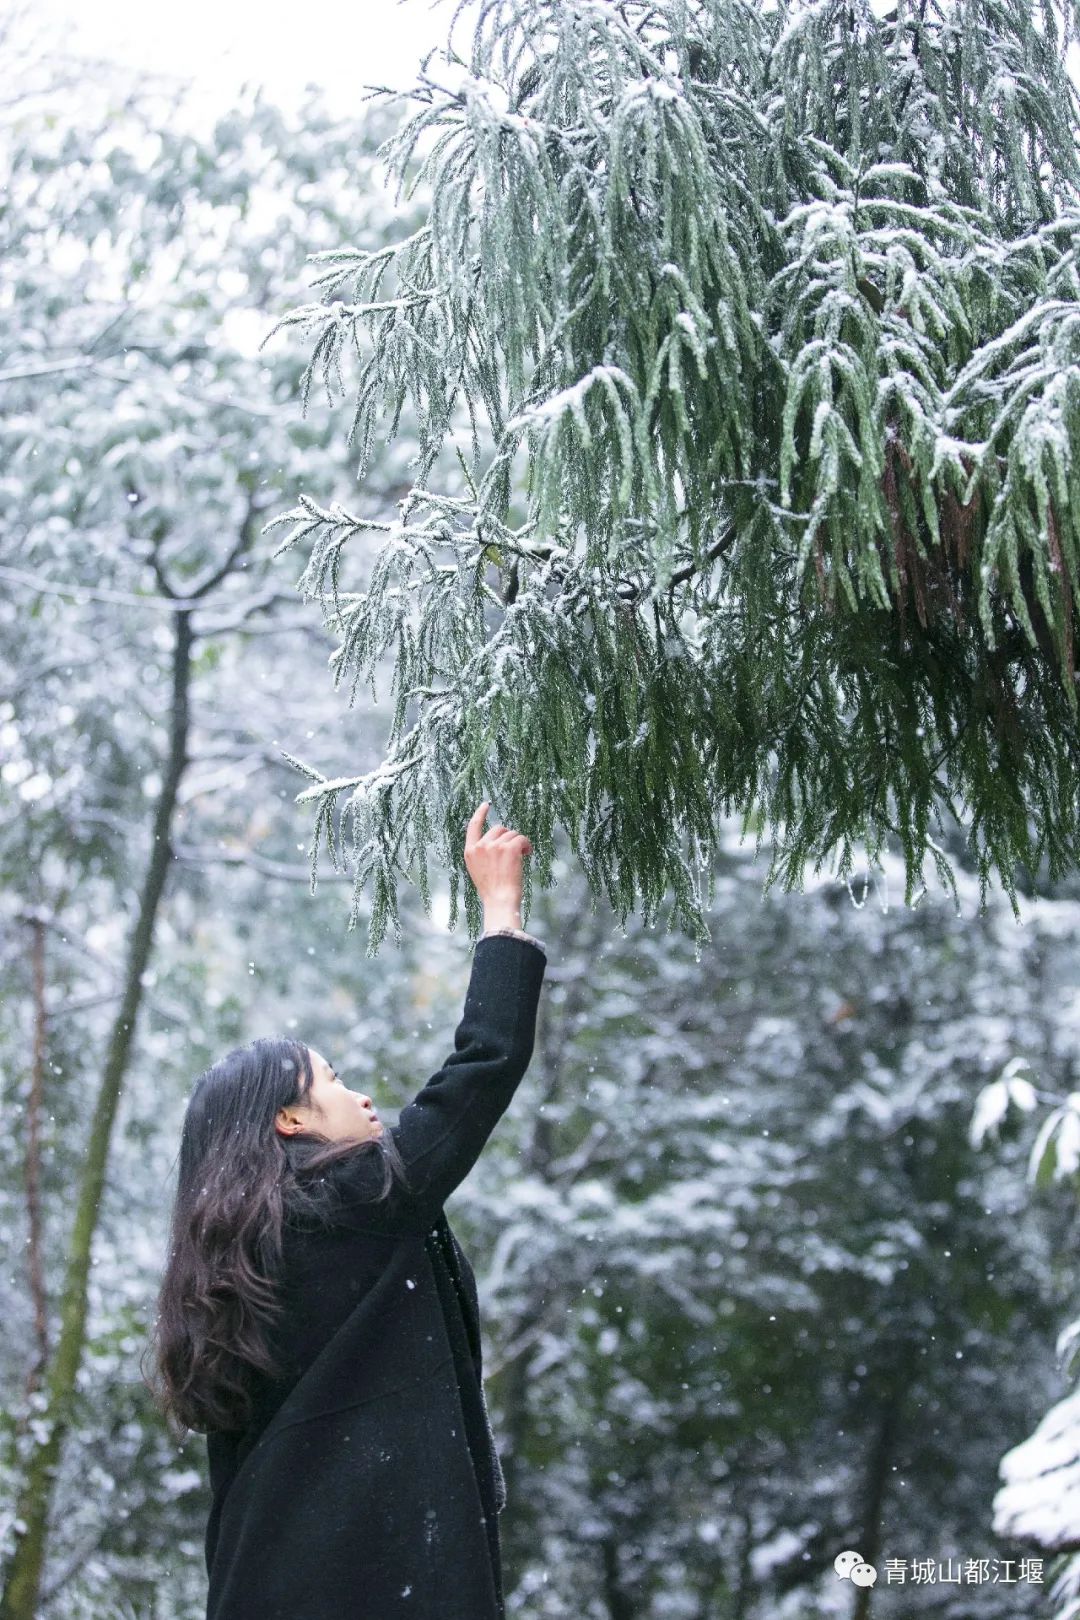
22	1586
877	1476
35	1252
618	1602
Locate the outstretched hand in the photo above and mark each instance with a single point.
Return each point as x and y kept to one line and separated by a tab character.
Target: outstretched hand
493	859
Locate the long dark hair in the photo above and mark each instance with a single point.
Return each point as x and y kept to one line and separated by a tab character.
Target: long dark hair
239	1183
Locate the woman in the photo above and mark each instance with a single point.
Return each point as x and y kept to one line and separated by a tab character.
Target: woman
318	1319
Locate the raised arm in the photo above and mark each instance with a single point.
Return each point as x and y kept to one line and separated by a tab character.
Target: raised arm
441	1133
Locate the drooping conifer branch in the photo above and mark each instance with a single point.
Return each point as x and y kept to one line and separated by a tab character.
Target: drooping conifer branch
743	349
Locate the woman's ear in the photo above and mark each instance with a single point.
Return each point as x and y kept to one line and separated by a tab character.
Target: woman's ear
287	1124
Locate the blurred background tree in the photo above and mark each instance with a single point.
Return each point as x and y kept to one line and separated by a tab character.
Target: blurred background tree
143	441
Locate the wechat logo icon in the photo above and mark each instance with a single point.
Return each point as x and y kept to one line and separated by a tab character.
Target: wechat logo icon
849	1566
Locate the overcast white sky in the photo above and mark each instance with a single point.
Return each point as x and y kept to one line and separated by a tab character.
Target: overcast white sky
338	44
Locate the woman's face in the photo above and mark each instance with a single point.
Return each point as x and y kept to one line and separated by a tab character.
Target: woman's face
331	1109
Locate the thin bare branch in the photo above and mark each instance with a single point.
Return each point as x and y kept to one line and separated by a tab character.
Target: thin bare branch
258	863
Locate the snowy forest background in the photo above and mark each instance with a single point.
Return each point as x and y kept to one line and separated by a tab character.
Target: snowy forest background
777	1244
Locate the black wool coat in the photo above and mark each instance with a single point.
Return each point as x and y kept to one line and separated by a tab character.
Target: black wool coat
367	1486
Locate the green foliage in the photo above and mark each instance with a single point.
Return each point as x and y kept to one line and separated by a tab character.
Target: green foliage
742	348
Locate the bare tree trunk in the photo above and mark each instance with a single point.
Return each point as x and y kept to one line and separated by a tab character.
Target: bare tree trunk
35	1260
877	1476
741	1513
20	1597
615	1596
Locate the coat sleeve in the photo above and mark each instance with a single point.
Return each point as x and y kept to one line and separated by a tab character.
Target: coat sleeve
442	1132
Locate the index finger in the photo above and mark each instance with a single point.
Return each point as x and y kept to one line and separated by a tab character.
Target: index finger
476	822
